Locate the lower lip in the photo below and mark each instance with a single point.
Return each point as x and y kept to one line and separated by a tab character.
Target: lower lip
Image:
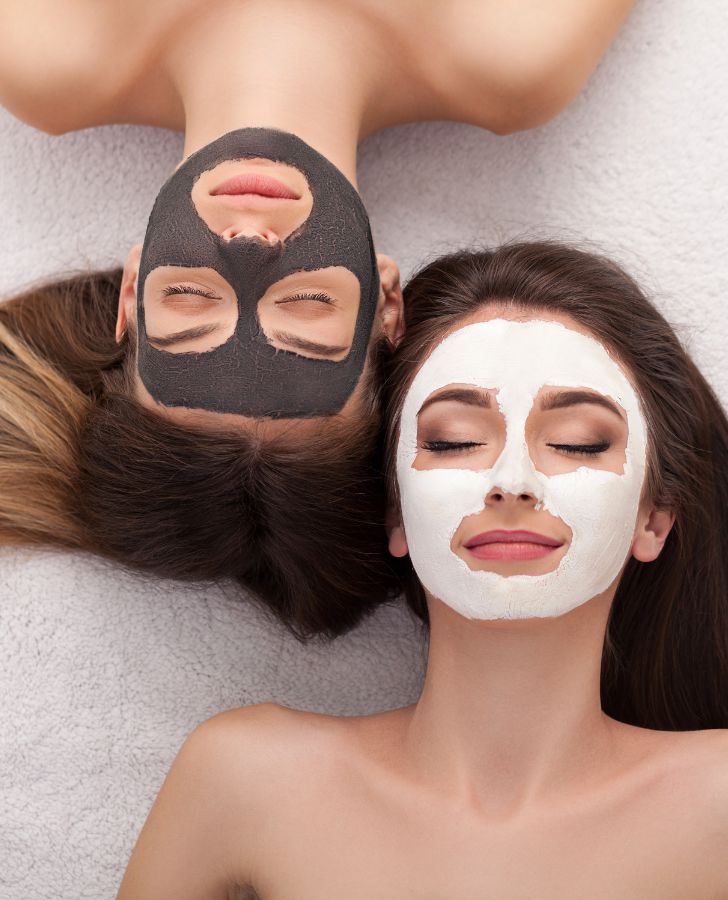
511	550
254	184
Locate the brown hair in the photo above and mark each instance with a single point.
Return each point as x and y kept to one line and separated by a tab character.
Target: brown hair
84	466
665	657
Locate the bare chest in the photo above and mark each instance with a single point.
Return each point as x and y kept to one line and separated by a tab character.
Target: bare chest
647	850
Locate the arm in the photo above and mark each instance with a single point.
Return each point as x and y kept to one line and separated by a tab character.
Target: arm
195	841
527	59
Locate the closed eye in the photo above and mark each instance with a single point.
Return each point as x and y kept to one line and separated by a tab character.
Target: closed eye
175	289
318	297
582	449
449	446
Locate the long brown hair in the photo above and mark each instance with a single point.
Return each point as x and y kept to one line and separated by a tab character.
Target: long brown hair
665	657
84	466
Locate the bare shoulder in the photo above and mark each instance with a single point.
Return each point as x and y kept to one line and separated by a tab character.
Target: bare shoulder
269	749
704	766
234	776
698	760
515	65
55	71
702	758
693	787
47	50
253	743
272	760
265	722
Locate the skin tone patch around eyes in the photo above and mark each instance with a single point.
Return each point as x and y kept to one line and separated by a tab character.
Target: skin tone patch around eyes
462	427
188	310
312	314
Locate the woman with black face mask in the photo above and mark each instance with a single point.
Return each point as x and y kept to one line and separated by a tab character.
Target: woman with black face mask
212	410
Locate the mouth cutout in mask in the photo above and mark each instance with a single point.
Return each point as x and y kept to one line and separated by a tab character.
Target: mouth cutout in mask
516	360
247	375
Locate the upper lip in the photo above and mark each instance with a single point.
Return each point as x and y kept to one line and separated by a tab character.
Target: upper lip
255	183
512	537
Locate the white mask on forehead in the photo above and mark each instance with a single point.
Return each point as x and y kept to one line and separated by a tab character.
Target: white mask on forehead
517	359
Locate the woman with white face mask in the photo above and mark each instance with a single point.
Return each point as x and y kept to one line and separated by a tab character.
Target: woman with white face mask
233	367
559	473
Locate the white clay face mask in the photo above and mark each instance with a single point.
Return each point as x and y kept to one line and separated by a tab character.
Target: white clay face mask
516	360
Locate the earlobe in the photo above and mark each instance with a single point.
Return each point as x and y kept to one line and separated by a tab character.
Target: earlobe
398	542
127	292
395	530
391	304
653	527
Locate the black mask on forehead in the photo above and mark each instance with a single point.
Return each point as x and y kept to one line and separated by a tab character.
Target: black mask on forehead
246	374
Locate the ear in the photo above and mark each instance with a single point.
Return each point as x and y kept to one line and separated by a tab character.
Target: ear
128	291
395	530
391	307
653	527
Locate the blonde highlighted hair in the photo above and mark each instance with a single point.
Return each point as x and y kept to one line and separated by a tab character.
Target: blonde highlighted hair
42	411
84	466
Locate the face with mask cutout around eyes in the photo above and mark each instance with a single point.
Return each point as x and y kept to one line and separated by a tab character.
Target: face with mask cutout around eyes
257	290
520	463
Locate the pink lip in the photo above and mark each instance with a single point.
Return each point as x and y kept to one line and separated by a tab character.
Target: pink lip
257	184
516	545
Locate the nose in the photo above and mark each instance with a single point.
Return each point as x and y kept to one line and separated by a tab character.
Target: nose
262	235
497	496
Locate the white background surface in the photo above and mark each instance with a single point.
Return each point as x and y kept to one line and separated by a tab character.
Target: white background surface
103	674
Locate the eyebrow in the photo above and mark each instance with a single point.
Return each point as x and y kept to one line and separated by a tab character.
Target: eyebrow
562	399
556	400
461	395
185	335
307	346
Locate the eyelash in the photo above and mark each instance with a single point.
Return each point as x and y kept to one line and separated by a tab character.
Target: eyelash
189	289
320	297
582	449
449	446
572	449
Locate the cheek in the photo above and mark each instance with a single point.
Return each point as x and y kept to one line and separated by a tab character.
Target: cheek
435	502
600	506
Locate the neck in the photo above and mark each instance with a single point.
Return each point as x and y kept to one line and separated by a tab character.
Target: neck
510	709
241	68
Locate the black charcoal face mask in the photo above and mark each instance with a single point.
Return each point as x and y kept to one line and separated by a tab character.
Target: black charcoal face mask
247	375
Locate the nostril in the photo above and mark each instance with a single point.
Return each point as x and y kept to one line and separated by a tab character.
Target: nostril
263	237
